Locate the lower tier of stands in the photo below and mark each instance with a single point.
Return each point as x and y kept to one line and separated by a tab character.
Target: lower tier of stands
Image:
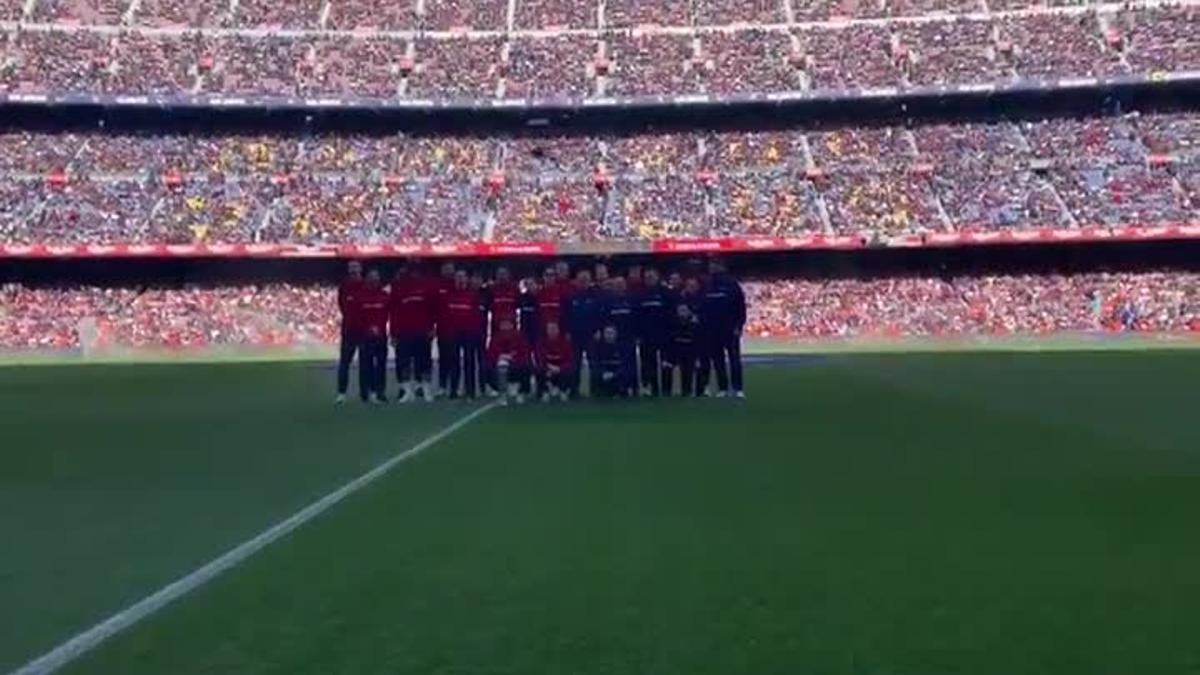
65	318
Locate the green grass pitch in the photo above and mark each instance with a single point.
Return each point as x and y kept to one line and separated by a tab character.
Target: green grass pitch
926	514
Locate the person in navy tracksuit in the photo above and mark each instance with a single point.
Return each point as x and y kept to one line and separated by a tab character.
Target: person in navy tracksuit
527	311
617	309
612	376
723	316
681	351
583	314
693	297
654	311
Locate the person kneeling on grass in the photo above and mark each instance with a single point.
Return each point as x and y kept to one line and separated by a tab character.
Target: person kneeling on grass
613	376
507	363
554	361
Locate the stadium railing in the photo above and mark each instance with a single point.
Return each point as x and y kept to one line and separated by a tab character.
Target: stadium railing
613	247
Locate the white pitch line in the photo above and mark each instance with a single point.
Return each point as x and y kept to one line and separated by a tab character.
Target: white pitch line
89	639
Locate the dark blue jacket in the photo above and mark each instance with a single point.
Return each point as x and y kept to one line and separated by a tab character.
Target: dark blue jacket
527	315
723	308
618	309
655	312
695	303
584	315
683	341
613	357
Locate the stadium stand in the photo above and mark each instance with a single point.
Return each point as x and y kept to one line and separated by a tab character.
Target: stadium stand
976	305
868	182
426	49
276	315
1133	170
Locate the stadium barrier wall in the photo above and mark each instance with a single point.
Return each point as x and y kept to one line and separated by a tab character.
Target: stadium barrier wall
278	114
812	242
686	103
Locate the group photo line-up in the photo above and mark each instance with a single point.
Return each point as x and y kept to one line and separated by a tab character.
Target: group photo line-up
636	332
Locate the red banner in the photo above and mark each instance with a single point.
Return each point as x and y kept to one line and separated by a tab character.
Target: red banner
813	241
465	249
715	245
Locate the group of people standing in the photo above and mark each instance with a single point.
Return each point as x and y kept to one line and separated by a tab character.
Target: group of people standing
637	332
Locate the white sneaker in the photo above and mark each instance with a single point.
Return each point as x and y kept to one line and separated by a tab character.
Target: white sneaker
739	394
406	396
722	394
492	393
519	398
378	400
427	394
546	397
503	401
562	396
339	399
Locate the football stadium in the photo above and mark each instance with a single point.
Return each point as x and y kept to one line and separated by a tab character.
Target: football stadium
620	337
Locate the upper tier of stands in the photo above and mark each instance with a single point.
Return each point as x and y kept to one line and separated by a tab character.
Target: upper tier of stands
459	49
1135	170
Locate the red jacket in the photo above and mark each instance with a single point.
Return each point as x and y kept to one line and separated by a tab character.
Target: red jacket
558	352
412	307
510	343
373	303
551	303
566	290
349	293
459	314
504	297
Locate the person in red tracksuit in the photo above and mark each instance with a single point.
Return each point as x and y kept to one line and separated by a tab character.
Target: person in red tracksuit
348	297
457	325
554	363
441	287
412	316
551	301
503	298
372	360
562	272
506	362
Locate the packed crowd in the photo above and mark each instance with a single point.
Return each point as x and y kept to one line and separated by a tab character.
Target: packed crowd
975	305
755	54
1131	170
292	314
479	15
103	318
